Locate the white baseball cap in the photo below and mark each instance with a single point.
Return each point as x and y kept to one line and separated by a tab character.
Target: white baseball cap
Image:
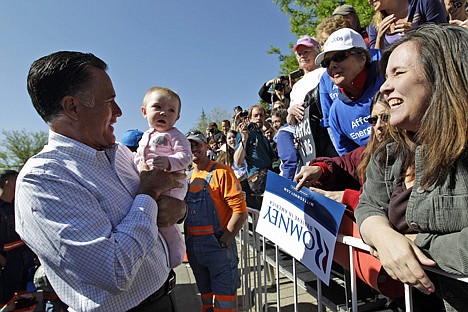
341	40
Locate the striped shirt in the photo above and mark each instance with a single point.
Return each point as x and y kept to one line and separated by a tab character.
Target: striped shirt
98	241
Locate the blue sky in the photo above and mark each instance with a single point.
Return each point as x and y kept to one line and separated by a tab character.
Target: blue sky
212	52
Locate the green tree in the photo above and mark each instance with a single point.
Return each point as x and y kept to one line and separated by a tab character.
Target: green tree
202	122
305	15
19	146
216	114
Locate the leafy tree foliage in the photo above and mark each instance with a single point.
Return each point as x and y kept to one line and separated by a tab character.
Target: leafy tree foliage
216	114
19	146
305	15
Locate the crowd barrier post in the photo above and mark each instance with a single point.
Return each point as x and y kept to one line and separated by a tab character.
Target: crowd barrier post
253	253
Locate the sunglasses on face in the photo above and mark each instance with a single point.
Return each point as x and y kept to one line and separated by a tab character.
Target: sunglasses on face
338	57
374	119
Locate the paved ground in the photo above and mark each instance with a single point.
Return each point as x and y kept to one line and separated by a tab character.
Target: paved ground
188	297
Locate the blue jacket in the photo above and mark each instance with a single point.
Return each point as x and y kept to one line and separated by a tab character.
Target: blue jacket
286	151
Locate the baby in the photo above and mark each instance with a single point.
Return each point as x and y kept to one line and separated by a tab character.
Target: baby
163	147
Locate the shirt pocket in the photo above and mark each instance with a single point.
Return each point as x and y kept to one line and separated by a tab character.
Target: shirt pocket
450	213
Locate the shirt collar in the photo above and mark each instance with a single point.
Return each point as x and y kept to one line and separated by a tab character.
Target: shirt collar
74	147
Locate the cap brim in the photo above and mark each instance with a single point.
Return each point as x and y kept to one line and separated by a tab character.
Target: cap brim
196	139
320	58
321	55
302	44
342	13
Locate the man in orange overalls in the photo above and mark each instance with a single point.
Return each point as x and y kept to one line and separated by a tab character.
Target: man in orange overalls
216	212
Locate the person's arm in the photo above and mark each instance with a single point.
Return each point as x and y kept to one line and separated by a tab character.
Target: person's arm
171	211
230	193
182	156
287	153
265	95
400	257
241	141
340	172
69	225
233	227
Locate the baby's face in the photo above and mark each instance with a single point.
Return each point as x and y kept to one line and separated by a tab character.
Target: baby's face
161	111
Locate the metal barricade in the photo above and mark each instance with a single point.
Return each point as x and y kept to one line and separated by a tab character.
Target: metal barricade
256	275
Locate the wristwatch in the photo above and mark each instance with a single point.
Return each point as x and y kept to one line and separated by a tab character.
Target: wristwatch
222	244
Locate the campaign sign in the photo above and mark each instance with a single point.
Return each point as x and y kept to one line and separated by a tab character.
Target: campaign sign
303	223
307	149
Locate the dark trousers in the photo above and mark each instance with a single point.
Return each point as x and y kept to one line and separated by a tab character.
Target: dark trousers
162	300
165	304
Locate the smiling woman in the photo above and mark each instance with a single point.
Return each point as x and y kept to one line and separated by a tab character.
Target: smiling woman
413	209
347	90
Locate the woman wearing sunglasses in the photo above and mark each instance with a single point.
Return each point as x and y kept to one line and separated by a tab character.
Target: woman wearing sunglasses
346	91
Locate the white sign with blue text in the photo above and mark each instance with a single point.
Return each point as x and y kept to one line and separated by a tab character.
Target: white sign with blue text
303	223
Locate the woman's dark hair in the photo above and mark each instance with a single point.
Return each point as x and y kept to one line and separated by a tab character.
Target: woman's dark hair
227	157
54	76
373	143
442	52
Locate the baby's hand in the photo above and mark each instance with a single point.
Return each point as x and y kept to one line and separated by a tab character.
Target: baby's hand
161	163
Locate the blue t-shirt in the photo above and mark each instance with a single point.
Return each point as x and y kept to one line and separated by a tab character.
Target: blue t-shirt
258	153
328	91
425	11
348	119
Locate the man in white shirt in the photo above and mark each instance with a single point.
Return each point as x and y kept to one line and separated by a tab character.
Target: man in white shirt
81	205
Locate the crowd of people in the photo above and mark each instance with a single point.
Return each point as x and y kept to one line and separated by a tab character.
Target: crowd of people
374	117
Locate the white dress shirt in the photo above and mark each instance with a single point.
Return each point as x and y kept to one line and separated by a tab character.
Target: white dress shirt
99	243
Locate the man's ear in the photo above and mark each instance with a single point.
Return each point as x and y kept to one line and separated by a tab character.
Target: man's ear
70	106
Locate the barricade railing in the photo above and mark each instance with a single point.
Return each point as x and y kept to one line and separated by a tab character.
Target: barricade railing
256	274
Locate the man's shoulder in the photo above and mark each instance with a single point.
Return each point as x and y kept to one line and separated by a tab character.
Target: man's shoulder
222	167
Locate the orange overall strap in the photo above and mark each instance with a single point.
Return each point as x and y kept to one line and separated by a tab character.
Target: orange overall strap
199	230
224	303
13	245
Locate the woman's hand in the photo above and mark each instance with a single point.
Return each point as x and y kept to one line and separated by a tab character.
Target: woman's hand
244	131
295	114
400	257
297	111
382	29
307	176
335	195
273	81
402	27
460	23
